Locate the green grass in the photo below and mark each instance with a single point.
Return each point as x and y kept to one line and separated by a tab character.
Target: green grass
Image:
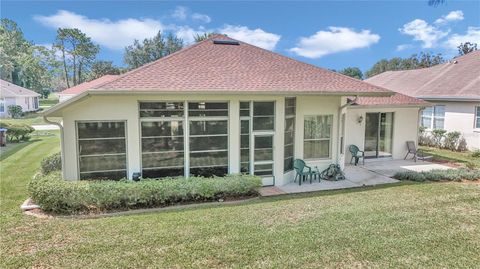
451	156
419	225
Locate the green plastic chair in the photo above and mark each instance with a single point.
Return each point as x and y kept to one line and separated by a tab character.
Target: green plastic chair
356	154
302	171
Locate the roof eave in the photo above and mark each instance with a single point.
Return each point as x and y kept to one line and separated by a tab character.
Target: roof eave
450	98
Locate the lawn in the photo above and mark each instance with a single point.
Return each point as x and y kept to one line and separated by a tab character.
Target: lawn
426	225
451	156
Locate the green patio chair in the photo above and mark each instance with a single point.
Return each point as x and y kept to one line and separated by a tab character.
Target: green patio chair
303	171
356	154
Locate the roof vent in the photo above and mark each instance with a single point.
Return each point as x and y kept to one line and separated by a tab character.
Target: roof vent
225	42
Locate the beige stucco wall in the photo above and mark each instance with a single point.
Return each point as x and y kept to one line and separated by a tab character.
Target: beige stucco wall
460	116
126	108
405	128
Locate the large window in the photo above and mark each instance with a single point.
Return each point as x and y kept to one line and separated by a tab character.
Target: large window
263	116
102	150
317	136
289	135
162	130
477	117
433	117
208	138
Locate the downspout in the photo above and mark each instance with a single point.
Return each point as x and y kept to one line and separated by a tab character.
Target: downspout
62	148
339	122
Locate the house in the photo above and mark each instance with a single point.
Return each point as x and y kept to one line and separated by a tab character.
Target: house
224	106
72	91
11	94
453	88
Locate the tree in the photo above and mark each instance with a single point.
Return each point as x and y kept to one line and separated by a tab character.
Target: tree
353	72
77	52
465	48
21	62
102	68
201	37
151	49
422	60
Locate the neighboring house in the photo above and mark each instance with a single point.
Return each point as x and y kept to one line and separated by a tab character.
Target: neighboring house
453	88
11	94
223	106
71	92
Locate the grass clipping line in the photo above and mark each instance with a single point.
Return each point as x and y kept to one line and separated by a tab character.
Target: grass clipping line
58	196
440	175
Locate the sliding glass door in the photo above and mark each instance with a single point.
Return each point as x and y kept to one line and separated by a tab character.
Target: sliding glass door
378	135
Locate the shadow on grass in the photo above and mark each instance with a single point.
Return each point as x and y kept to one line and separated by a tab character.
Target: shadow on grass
13	148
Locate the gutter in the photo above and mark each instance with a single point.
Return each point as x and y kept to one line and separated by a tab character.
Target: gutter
62	147
339	122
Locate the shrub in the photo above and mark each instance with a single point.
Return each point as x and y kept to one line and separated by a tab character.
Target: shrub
439	175
67	197
437	136
51	163
17	131
451	140
462	145
15	111
476	153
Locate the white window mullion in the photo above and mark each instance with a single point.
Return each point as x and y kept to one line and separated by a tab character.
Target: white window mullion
186	140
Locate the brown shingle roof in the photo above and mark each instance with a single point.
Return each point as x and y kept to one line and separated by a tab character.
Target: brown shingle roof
457	78
89	84
8	89
397	99
209	67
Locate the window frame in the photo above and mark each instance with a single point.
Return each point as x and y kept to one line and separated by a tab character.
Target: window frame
433	117
476	123
330	139
2	105
292	144
78	139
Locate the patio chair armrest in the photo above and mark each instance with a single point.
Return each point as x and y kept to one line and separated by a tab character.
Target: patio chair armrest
309	168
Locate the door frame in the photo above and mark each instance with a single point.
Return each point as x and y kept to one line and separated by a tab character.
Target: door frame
377	142
252	155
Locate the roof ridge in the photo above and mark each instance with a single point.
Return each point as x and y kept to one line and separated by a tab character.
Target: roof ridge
133	71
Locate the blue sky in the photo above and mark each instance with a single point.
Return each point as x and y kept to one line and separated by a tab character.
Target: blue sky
325	33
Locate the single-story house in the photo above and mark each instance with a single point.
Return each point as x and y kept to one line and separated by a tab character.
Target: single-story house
224	106
75	90
11	94
453	88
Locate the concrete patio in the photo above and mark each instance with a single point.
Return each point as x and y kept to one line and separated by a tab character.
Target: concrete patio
373	173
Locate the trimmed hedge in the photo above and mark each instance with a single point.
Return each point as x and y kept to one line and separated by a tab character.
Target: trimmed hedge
17	131
439	175
51	163
72	197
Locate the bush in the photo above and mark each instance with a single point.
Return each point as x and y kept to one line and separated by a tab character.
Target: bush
15	111
17	131
437	136
51	163
67	197
476	153
452	140
439	175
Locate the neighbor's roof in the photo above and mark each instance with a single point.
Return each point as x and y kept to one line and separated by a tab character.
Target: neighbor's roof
459	78
207	67
89	85
397	99
8	89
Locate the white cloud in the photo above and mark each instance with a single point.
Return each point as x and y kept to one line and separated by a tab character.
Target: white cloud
456	15
110	34
257	37
472	35
187	33
201	17
180	13
422	31
404	47
336	39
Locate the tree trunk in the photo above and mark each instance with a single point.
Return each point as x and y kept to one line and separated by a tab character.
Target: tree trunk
65	65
